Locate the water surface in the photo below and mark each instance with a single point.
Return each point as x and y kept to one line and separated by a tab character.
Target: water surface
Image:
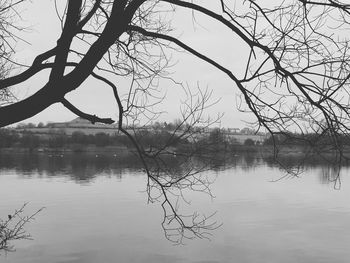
97	211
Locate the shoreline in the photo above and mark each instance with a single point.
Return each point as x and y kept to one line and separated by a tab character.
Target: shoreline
263	150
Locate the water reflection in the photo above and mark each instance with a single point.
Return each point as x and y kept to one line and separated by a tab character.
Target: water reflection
256	214
84	167
78	167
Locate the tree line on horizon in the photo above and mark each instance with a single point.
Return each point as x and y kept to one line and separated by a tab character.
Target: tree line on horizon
215	139
158	125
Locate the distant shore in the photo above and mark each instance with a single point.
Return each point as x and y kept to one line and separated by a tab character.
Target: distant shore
263	150
70	149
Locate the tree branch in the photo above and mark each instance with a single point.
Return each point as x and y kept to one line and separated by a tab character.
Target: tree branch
63	44
116	96
35	68
30	106
92	118
215	16
93	10
206	59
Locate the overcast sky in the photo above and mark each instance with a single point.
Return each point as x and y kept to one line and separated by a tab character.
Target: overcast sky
95	98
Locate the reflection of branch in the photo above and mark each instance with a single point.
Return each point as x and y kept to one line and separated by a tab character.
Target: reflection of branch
331	174
162	182
179	227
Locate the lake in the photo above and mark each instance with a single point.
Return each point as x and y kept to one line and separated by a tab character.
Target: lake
96	210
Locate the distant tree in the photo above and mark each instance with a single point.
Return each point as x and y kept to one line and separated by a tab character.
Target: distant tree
169	126
79	137
102	139
57	140
216	137
25	125
20	126
249	142
157	126
30	125
121	140
8	138
232	141
40	125
272	140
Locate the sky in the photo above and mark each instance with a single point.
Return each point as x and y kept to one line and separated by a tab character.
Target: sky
203	34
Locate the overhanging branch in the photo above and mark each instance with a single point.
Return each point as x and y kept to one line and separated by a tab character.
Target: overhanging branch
215	16
206	59
31	71
92	118
116	95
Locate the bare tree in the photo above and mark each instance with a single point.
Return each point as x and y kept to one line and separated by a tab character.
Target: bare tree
13	228
296	69
8	30
295	78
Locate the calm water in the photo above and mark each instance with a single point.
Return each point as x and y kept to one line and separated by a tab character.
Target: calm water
97	211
